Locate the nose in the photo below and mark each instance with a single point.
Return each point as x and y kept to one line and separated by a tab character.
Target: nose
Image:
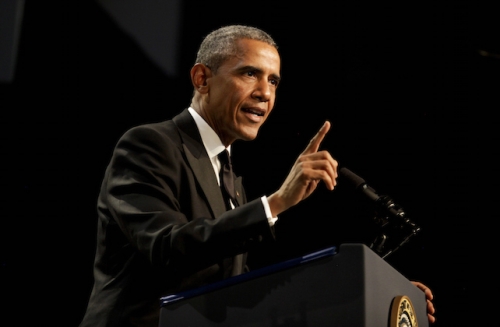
262	91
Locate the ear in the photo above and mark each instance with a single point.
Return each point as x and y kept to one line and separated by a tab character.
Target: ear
199	75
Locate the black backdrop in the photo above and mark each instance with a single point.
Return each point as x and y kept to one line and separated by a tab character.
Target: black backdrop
411	92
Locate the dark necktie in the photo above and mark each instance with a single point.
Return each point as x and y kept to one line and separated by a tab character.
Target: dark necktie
234	264
226	178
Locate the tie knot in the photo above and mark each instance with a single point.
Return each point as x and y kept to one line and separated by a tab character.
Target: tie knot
227	178
224	157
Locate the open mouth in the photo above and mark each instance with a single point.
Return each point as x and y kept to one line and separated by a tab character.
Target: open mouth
253	111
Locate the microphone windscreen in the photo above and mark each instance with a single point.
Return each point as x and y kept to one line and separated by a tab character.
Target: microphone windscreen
352	177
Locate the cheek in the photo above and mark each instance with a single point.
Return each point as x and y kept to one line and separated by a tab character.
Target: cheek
238	97
271	103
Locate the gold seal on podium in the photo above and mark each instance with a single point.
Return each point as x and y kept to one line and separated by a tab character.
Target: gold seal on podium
402	313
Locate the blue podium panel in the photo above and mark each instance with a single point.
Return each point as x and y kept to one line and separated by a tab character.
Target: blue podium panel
352	287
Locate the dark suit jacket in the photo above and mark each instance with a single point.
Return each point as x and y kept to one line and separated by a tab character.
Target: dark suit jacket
162	225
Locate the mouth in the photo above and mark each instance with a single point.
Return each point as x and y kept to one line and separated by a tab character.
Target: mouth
254	111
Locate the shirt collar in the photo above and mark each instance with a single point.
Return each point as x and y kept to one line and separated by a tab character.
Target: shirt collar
210	139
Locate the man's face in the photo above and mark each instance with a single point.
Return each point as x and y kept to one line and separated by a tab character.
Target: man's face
242	93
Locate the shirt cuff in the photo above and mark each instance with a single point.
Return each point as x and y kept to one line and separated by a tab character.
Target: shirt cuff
272	220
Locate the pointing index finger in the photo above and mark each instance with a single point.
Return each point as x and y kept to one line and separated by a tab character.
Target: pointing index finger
315	142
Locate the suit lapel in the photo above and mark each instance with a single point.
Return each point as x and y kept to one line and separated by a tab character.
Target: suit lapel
200	162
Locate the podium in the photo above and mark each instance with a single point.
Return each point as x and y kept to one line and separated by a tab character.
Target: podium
351	287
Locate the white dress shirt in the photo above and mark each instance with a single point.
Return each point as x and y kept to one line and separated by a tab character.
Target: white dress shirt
214	146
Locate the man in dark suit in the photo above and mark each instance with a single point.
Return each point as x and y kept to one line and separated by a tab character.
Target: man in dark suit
163	225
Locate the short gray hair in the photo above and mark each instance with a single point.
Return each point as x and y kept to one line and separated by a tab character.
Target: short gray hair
220	44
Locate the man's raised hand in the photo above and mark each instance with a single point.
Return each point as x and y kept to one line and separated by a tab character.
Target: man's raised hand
311	167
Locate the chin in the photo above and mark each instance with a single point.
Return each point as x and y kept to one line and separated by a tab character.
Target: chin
249	136
249	133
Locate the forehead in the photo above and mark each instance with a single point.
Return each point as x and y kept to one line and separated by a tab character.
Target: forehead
258	54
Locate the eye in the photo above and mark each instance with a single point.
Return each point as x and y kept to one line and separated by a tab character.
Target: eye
274	82
251	73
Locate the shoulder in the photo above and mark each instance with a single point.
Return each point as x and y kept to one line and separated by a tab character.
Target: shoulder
164	131
148	142
166	126
164	138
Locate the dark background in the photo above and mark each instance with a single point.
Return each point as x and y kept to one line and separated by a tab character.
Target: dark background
411	92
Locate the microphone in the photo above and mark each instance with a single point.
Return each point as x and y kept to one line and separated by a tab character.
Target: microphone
390	216
359	183
383	203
